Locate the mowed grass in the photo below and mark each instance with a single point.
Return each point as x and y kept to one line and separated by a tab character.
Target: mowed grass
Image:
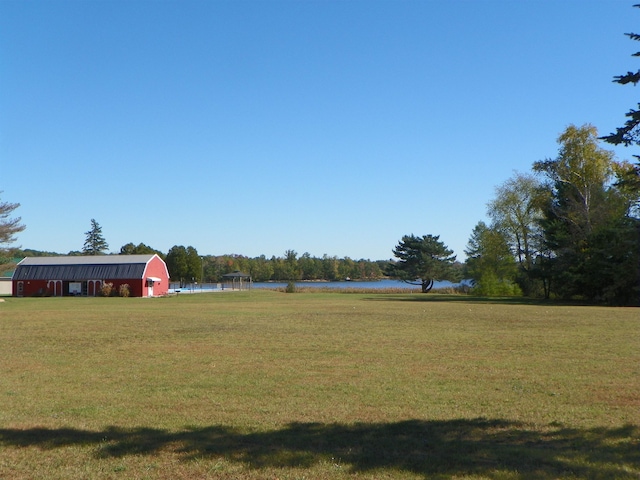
254	385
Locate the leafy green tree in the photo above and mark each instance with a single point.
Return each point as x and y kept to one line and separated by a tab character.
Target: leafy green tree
372	270
347	269
178	264
490	262
310	268
194	265
291	272
279	268
578	177
261	269
584	207
516	212
94	243
422	261
9	227
140	249
330	268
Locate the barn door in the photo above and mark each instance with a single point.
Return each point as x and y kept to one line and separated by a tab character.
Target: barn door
56	289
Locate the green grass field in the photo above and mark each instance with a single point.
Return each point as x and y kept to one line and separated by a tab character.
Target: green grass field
255	385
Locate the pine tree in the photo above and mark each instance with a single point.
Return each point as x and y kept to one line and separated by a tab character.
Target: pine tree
422	261
95	244
629	134
8	228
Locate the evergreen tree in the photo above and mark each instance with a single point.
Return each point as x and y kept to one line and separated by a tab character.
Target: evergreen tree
629	134
422	261
591	241
94	244
9	227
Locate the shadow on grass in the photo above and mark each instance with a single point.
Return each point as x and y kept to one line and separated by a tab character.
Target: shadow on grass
488	448
435	298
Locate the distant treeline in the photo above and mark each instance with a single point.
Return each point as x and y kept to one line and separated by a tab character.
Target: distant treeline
292	267
186	265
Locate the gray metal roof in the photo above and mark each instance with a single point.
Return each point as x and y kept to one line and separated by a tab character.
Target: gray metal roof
87	260
76	268
236	275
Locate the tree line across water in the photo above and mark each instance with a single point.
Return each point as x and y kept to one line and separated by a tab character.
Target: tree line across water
186	265
568	229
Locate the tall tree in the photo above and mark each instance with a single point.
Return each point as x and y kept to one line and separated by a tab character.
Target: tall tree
195	265
177	264
516	211
490	262
422	261
291	269
629	134
578	179
94	244
586	220
9	227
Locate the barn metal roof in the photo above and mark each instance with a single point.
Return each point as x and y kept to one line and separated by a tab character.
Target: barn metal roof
76	268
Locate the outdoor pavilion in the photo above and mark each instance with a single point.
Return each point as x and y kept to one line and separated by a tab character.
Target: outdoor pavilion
236	281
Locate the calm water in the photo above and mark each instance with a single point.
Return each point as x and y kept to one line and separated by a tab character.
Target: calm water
377	284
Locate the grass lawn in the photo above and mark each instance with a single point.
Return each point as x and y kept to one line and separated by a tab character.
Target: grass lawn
260	384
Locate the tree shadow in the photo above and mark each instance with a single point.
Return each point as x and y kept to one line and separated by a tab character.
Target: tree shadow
488	448
471	299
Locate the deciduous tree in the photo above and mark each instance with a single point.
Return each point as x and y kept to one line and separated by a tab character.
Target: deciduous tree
515	212
586	221
140	249
195	266
177	264
490	262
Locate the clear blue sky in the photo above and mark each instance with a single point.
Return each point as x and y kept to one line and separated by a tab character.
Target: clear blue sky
254	127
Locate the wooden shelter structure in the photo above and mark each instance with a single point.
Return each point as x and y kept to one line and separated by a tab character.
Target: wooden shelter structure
236	281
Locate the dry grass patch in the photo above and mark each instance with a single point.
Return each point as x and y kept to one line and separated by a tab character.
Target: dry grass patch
319	385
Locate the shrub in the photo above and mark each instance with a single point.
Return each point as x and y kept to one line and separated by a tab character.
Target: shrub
124	290
491	286
106	289
291	287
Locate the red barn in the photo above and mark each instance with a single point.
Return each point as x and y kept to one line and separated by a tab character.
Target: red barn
146	275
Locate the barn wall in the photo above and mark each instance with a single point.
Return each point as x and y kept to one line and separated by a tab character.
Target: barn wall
6	286
33	288
36	283
135	286
46	288
157	268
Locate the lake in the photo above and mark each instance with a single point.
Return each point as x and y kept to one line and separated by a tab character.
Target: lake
364	284
357	284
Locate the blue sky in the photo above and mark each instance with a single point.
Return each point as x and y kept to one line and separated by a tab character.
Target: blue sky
328	127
